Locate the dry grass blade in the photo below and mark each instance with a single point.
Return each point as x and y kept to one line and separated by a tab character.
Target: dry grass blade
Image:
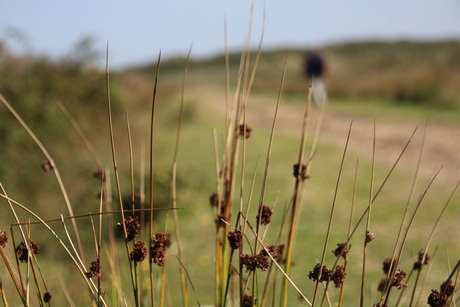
117	178
370	203
182	271
331	216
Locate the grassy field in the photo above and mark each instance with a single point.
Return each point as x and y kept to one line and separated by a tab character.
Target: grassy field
205	101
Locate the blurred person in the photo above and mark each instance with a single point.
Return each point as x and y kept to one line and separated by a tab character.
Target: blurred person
315	68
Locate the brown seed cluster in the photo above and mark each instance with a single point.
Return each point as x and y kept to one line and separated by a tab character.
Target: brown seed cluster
247	300
437	299
235	239
244	131
422	260
47	297
158	245
441	298
47	165
214	200
338	276
132	227
94	269
300	171
397	282
22	252
100	174
139	252
342	250
320	273
265	215
279	253
369	237
260	261
3	238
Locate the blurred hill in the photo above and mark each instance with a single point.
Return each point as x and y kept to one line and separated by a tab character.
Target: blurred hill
403	72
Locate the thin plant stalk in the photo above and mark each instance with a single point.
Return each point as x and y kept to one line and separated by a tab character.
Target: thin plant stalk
331	216
293	213
382	185
117	179
80	132
286	276
2	291
267	164
182	273
152	126
398	242
425	250
367	239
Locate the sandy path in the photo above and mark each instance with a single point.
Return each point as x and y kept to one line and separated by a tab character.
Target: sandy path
441	147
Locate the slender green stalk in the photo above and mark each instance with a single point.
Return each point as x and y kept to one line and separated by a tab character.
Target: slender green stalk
152	125
2	291
295	199
183	280
367	234
331	216
117	178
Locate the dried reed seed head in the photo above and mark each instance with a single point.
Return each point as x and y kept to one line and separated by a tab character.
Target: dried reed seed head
338	277
397	281
3	238
47	297
300	171
23	254
139	252
162	239
47	165
270	248
279	253
387	263
235	239
266	214
447	288
325	273
100	174
244	131
262	261
382	284
158	246
157	256
132	227
369	236
214	200
421	260
249	262
94	270
437	299
343	249
400	275
247	300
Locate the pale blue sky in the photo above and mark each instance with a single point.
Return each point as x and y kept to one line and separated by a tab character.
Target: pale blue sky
137	30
